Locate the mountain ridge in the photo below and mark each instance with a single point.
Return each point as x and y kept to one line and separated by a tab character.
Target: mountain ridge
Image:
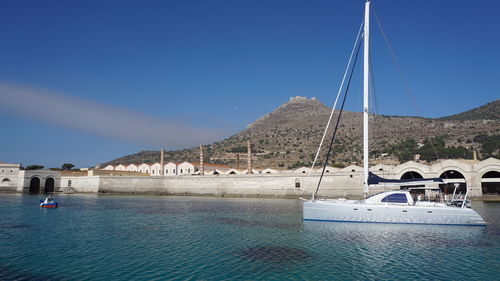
288	137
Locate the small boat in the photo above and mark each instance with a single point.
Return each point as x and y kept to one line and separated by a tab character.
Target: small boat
416	201
48	203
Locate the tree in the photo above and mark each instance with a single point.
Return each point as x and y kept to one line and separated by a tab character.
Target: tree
34	167
67	166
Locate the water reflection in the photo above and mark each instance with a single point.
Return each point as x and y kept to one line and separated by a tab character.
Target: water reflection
14	226
274	254
253	223
11	273
390	234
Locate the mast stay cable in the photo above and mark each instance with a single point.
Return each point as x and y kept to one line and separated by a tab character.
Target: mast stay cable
338	120
404	80
336	99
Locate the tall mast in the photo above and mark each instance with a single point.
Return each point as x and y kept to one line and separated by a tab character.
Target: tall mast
366	70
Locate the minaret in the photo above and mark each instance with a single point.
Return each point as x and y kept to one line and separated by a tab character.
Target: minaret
249	157
162	163
202	166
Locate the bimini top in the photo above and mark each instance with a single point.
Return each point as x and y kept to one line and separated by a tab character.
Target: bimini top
376	180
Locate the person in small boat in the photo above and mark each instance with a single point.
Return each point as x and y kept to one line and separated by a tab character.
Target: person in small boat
48	200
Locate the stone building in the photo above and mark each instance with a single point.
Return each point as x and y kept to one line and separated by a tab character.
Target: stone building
132	168
120	167
170	169
481	178
109	167
38	181
9	176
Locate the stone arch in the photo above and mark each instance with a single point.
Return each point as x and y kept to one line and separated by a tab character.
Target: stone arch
5	182
443	169
412	166
34	185
411	175
451	174
49	185
490	183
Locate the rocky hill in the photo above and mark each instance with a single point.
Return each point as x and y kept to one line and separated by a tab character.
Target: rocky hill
288	137
489	111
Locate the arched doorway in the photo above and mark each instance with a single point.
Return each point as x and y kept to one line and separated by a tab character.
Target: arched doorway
453	178
411	175
5	182
35	185
49	185
490	183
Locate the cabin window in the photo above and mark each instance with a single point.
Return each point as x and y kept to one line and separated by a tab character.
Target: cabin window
395	198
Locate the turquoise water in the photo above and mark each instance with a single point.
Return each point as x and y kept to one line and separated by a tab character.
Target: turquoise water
192	238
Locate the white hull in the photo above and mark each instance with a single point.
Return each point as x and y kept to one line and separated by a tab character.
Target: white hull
358	211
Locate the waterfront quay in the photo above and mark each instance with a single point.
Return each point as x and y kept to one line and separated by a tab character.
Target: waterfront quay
481	178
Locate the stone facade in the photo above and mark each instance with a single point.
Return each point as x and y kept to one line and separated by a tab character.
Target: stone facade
38	181
9	176
337	182
170	169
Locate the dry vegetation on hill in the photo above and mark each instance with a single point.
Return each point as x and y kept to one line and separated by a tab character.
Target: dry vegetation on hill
289	136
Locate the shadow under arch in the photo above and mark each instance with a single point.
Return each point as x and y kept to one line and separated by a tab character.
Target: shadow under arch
34	185
490	183
49	185
453	178
411	175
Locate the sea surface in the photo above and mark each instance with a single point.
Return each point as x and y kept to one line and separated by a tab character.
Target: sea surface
102	237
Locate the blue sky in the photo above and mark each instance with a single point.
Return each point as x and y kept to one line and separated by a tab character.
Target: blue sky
190	72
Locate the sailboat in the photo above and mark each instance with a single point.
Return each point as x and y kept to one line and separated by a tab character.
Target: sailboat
409	200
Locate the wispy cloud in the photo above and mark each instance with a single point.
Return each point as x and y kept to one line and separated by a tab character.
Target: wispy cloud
100	119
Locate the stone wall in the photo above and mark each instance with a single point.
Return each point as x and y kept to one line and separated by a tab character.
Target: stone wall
86	184
272	185
336	182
